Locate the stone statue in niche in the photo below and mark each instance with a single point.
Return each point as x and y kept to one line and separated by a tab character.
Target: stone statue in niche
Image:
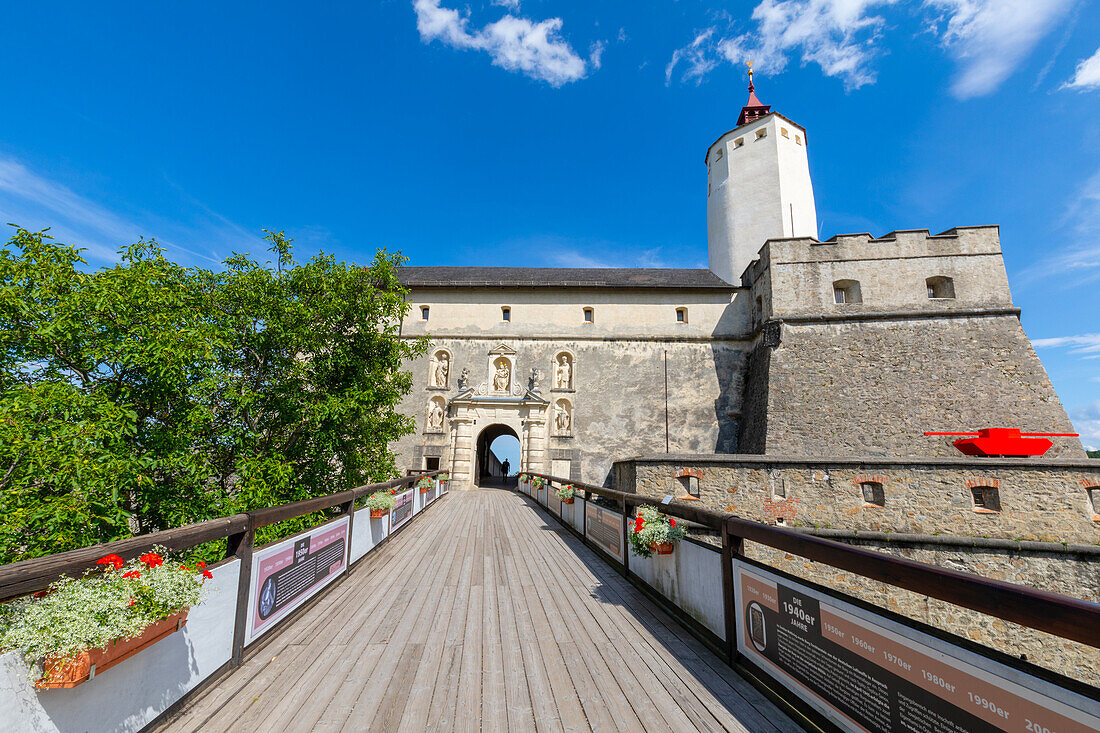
464	378
562	420
563	373
503	376
533	382
441	370
435	415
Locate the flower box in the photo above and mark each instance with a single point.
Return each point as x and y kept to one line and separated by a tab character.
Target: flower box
567	501
62	674
425	489
378	513
663	548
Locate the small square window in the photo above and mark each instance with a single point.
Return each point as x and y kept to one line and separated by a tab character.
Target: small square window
506	313
986	499
873	493
1094	502
681	315
797	139
589	316
718	154
431	463
783	132
738	142
424	312
761	133
690	485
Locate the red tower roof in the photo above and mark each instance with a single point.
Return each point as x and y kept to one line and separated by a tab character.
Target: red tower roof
754	109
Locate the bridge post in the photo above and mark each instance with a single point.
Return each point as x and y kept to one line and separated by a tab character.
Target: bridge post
241	546
731	545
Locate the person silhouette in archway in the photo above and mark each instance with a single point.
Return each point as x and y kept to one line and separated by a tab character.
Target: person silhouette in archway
504	467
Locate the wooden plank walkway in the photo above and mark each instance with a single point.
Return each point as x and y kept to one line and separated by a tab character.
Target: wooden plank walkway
483	615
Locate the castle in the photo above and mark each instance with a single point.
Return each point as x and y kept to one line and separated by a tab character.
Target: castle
785	362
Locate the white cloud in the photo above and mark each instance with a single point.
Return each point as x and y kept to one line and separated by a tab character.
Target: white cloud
1086	343
990	38
837	35
1086	419
1087	74
1080	262
515	44
595	56
510	4
35	202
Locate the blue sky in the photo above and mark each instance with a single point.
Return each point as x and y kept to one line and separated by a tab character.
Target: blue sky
550	133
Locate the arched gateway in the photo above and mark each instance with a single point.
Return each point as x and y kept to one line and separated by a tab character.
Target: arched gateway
488	468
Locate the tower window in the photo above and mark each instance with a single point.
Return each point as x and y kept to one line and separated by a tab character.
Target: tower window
738	142
424	312
940	287
986	498
784	133
847	291
589	316
505	313
762	132
718	154
797	139
681	315
873	493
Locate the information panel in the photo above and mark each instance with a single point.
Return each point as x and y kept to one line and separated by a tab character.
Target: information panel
287	573
553	502
403	511
605	528
866	672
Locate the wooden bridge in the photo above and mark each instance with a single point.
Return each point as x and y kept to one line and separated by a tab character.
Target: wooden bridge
509	609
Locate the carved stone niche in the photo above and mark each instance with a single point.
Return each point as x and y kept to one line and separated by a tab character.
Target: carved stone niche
436	415
500	378
561	419
564	372
439	369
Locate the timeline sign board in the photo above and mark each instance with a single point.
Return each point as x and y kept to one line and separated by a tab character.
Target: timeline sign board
605	528
403	511
289	572
554	502
867	672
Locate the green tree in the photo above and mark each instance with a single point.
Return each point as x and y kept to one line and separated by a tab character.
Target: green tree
149	395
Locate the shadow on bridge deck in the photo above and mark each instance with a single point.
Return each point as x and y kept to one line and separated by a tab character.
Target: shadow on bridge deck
484	615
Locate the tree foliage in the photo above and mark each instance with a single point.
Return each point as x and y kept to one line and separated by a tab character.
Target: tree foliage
149	395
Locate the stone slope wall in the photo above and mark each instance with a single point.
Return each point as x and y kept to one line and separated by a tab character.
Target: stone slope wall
873	387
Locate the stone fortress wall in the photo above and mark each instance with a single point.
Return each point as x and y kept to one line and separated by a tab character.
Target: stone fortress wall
870	377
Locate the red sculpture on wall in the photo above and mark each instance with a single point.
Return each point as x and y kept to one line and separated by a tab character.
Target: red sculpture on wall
1005	442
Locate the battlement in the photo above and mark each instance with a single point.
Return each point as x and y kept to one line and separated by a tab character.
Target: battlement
902	271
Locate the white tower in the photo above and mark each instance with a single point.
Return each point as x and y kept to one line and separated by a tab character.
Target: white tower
758	188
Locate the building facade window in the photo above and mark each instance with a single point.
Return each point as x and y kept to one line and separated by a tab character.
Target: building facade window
761	133
681	315
940	287
738	142
986	498
431	463
874	494
505	313
847	291
589	315
1094	502
424	310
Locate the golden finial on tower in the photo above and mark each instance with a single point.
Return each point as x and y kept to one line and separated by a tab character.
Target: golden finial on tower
750	76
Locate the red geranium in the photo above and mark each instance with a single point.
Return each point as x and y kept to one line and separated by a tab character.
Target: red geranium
132	574
672	522
207	574
152	559
201	565
113	560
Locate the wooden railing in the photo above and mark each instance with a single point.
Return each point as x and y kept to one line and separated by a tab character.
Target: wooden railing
28	576
1063	616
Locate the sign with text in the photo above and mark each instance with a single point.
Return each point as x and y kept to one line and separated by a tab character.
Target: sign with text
866	672
403	512
287	573
554	502
605	528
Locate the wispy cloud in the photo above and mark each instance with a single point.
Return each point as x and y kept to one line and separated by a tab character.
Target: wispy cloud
989	39
1087	74
1085	344
513	43
1086	419
595	55
592	256
1079	262
34	201
837	35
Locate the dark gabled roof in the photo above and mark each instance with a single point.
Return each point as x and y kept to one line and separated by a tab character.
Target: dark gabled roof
558	277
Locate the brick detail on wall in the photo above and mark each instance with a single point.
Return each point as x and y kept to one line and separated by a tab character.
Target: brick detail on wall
972	483
1090	483
785	509
696	472
869	478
